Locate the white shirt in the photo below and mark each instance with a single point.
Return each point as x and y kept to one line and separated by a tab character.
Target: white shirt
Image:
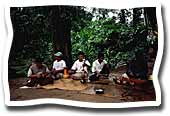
59	65
98	66
78	66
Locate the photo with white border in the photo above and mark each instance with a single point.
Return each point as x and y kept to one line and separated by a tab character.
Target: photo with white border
83	99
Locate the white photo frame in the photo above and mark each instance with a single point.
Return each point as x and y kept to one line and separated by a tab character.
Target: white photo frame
89	3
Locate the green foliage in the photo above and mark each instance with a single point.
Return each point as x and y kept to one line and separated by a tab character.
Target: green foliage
37	26
35	29
37	40
118	41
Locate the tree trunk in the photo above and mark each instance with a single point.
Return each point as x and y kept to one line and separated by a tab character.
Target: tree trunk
136	16
122	16
150	17
61	34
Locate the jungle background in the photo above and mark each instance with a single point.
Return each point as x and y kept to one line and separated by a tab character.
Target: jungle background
43	30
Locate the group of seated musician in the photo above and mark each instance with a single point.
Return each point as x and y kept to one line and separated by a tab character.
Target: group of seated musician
39	74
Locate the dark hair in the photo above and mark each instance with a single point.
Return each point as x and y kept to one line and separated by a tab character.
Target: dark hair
100	54
139	54
81	53
38	60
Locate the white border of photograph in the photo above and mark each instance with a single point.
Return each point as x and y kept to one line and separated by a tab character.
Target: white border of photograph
109	4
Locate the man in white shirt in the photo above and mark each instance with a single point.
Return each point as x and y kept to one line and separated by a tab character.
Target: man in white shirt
99	68
79	69
58	66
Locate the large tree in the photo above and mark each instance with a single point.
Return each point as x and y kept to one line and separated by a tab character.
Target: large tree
150	17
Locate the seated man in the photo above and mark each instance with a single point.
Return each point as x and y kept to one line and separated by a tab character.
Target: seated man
138	68
58	66
38	74
136	72
99	68
79	69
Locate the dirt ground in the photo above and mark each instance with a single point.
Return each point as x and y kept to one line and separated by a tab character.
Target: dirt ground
113	92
